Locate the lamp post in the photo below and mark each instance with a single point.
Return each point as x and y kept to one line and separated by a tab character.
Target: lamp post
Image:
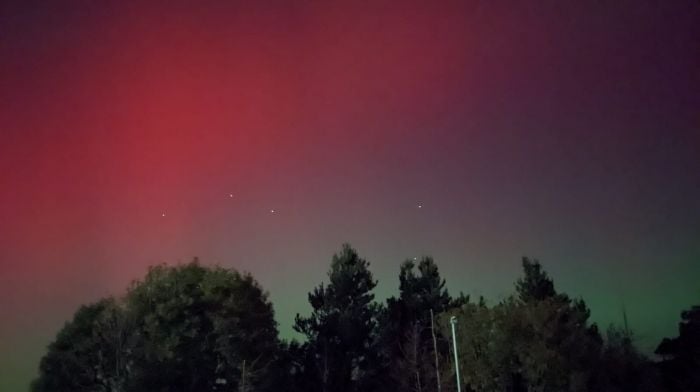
453	322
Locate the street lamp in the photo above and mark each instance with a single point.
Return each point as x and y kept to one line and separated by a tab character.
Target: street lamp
453	322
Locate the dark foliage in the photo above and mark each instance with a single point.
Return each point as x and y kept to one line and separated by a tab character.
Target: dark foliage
90	352
185	328
342	330
410	343
195	328
681	355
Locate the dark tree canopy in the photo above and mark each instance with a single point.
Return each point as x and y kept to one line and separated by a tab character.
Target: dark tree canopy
89	353
202	327
183	328
624	369
681	355
422	292
407	338
342	328
537	341
192	328
535	284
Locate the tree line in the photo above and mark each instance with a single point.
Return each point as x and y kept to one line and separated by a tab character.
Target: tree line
196	328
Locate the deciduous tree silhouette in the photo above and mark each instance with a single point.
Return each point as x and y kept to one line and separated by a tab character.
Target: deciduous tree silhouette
183	328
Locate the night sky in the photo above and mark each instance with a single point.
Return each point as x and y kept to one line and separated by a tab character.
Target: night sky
263	136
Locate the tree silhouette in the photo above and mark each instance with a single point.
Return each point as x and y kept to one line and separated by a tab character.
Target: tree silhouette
538	340
183	328
407	336
535	285
622	368
681	355
342	327
91	352
195	328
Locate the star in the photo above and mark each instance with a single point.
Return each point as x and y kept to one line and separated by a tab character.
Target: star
272	211
420	206
230	195
163	214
